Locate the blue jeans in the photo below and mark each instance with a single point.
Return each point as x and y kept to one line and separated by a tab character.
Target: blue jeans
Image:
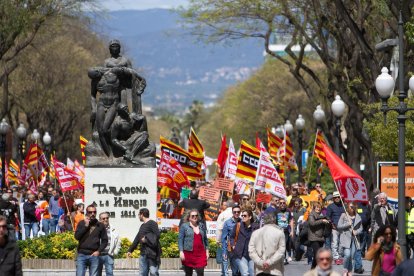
108	261
246	267
53	223
225	266
82	263
32	226
348	256
46	226
147	266
358	259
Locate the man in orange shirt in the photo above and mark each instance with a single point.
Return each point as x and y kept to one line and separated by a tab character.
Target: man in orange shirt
318	194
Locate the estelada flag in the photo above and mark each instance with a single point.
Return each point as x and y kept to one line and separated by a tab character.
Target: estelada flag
222	156
68	179
248	162
170	174
194	144
350	185
190	162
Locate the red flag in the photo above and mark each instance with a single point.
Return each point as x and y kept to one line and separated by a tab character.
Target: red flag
351	186
170	173
68	179
222	156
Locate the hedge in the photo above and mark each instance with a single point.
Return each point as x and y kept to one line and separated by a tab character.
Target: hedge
63	246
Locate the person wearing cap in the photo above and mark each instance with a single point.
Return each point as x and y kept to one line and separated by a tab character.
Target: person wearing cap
334	212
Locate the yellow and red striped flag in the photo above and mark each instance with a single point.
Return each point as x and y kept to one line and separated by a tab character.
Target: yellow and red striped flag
318	150
274	143
83	143
194	144
14	171
287	154
190	162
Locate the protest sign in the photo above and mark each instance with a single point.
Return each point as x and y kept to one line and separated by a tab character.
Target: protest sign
208	193
224	184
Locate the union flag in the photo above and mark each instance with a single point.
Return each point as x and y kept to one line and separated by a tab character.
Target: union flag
248	162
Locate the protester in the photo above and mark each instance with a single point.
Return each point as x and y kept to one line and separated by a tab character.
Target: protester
384	252
324	264
106	257
10	262
193	244
364	211
9	210
93	239
78	215
31	223
317	194
194	203
222	218
226	244
148	237
273	206
54	210
317	225
285	221
46	218
294	195
267	248
239	239
334	212
349	227
382	214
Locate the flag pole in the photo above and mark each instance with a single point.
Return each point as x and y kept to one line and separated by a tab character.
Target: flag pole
70	217
347	215
314	146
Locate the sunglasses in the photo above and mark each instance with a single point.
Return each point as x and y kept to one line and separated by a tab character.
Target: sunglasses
317	186
91	212
194	216
236	212
387	233
244	216
244	199
282	203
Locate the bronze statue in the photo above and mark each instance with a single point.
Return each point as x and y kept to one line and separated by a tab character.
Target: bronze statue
119	138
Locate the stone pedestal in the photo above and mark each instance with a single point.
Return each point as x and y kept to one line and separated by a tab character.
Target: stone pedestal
122	192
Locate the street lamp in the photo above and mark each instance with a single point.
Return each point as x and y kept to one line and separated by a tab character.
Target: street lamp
21	134
338	109
300	125
279	132
35	135
4	128
385	86
289	129
47	140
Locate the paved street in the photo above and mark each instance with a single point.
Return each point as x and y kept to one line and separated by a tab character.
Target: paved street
293	269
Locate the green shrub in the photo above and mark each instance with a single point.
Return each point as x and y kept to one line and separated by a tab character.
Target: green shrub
64	245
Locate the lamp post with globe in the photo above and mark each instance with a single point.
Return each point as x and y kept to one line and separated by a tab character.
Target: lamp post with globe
21	132
300	125
47	140
4	128
338	109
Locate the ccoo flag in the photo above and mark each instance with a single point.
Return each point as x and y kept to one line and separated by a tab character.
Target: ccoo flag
170	174
350	185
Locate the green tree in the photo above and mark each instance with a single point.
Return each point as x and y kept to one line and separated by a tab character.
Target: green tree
342	35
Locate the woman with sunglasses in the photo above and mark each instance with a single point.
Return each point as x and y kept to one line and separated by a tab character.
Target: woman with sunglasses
193	244
349	227
317	223
384	252
240	238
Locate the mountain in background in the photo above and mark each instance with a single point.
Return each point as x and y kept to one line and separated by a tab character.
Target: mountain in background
178	70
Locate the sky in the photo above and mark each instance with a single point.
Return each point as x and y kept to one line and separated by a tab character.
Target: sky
114	5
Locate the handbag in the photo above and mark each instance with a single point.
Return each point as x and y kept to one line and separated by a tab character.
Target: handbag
229	246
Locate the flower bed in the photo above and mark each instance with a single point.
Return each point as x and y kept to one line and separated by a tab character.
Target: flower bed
63	246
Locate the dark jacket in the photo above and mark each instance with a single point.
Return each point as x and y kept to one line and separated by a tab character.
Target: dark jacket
10	262
149	248
241	248
334	212
90	242
29	212
153	247
8	210
364	211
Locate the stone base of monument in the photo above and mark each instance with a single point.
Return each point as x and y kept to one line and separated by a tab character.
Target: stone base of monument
122	192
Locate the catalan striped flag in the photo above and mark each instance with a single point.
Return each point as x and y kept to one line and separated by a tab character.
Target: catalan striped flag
287	153
14	171
318	150
190	162
83	143
248	162
274	143
34	165
194	144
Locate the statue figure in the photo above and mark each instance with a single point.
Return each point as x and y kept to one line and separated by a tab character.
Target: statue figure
119	138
